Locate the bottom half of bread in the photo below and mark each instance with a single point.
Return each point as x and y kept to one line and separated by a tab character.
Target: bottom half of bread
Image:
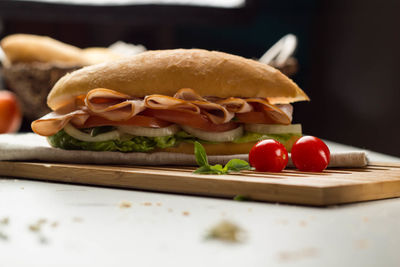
227	148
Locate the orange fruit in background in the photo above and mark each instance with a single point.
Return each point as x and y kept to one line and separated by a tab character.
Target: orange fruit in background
10	112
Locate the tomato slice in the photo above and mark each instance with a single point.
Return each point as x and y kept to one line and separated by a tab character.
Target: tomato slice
198	121
138	120
254	117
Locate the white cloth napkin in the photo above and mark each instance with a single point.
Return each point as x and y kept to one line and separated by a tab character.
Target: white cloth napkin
29	146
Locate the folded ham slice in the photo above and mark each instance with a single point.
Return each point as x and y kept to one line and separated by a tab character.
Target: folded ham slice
171	103
53	122
113	105
275	113
236	105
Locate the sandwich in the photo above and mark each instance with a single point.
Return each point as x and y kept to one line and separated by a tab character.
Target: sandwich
163	101
32	64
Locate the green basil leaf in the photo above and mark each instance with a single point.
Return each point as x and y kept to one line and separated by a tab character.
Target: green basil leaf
208	169
203	170
237	165
200	154
234	165
218	169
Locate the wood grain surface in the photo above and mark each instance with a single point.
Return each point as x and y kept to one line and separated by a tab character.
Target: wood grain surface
333	186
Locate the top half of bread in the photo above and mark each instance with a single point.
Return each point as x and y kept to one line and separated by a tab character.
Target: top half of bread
209	73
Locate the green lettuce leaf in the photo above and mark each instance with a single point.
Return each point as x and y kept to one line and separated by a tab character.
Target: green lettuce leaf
145	144
135	144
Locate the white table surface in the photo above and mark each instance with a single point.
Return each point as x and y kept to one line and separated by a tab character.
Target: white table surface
85	226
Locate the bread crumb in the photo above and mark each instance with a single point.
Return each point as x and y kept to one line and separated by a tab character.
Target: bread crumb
77	219
159	204
5	221
54	224
36	227
3	236
125	204
226	231
185	213
361	244
170	210
298	254
303	223
147	204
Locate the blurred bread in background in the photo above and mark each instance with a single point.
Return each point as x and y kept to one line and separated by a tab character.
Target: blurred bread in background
32	64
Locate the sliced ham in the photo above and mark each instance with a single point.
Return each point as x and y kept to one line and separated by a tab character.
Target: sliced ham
275	113
287	109
116	106
113	105
217	113
236	105
189	95
171	103
53	122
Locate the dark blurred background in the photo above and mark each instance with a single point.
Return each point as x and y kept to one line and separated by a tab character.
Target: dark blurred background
348	51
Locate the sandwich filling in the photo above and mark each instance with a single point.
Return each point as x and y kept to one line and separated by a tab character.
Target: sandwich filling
107	120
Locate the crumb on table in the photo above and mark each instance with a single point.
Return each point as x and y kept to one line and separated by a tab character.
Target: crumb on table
226	231
125	204
5	221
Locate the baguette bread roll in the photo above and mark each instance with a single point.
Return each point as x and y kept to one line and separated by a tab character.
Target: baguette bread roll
29	48
34	48
209	73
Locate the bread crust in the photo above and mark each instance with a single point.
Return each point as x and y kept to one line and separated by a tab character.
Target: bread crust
209	73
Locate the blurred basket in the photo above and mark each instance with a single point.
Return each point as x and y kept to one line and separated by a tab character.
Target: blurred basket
288	67
280	55
32	83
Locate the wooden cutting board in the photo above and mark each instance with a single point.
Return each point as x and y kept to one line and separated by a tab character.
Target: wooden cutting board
333	186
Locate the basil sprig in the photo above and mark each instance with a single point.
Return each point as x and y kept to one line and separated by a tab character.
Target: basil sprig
234	165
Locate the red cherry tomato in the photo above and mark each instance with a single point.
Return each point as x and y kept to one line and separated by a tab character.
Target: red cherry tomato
310	154
268	156
10	112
